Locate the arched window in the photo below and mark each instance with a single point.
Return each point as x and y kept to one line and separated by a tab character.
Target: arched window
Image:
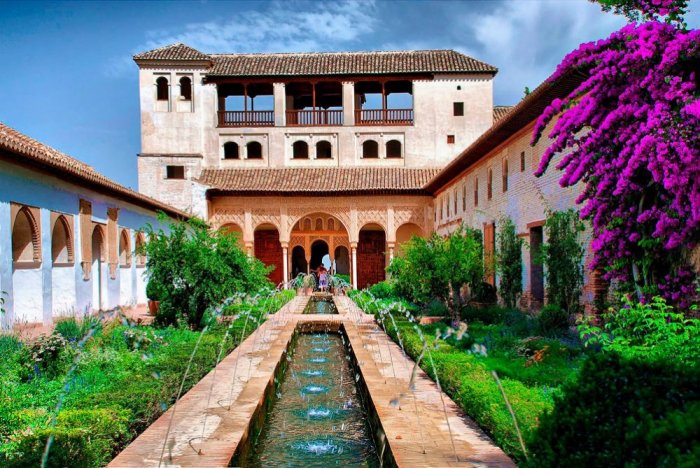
489	185
370	149
162	88
505	175
393	149
254	150
324	150
331	225
307	224
140	253
124	249
61	242
186	88
231	150
25	238
300	150
319	224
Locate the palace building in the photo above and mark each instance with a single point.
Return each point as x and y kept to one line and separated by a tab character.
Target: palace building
345	154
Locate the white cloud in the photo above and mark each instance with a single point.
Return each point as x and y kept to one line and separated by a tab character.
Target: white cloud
279	27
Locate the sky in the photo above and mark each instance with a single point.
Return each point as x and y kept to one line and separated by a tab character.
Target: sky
68	78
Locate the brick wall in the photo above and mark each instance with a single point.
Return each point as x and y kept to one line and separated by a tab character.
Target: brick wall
370	258
269	251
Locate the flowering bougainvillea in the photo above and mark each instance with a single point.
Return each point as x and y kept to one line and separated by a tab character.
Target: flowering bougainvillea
630	132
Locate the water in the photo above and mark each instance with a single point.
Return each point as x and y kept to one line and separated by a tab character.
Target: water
320	305
317	418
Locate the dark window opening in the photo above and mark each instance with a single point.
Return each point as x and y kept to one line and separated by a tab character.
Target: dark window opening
476	191
505	176
175	172
458	109
231	150
324	150
393	149
370	149
254	150
489	185
522	161
186	88
450	139
162	88
300	150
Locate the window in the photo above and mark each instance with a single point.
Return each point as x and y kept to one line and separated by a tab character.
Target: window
300	150
231	150
393	149
522	161
370	149
319	224
254	150
140	245
186	88
331	224
476	191
174	172
458	109
454	195
505	175
489	185
450	139
61	242
307	224
324	150
464	197
124	249
162	88
25	238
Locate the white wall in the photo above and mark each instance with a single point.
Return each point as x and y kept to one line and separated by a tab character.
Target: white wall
28	304
63	291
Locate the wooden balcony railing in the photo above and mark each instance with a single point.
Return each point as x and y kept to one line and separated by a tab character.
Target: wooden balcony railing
311	118
264	118
384	117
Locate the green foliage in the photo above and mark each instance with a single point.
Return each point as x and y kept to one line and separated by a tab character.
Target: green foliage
141	338
191	268
623	411
553	320
438	267
48	355
69	329
509	260
653	329
563	259
382	290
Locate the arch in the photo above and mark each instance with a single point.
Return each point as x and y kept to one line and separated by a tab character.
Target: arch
297	221
231	150
371	255
268	249
406	231
234	229
319	224
342	260
254	150
98	252
186	88
140	245
62	242
26	240
98	244
393	149
162	89
307	224
124	249
370	149
331	224
324	150
298	262
300	150
319	249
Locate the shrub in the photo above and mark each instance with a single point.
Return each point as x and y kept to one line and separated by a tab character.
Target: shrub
486	293
192	268
562	256
436	308
553	319
48	356
140	339
488	315
69	329
509	261
622	411
382	290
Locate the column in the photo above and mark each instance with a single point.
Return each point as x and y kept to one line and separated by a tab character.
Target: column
353	247
279	93
391	246
348	103
249	248
285	265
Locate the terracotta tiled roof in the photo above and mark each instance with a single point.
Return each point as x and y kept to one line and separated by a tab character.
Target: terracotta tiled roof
500	111
177	51
325	63
29	151
319	180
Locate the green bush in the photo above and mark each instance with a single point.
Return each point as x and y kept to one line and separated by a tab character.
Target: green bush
553	320
382	290
435	308
47	356
487	315
192	268
623	411
69	329
509	261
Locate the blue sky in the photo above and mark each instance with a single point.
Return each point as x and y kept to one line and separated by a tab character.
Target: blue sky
68	79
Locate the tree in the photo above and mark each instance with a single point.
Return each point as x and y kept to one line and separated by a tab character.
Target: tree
438	267
629	132
195	268
509	262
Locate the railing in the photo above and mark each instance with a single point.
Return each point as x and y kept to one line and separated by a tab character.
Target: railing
310	118
384	117
264	118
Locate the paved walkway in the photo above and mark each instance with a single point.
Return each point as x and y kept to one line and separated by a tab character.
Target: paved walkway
213	418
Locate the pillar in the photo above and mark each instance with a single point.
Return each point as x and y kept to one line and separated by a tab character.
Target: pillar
391	246
249	248
285	265
348	103
279	93
353	247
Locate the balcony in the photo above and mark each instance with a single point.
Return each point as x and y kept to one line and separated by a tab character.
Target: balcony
314	118
264	118
384	117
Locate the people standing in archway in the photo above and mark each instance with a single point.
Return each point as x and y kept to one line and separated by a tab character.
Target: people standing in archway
322	278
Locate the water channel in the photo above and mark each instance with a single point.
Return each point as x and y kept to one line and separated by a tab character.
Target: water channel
321	305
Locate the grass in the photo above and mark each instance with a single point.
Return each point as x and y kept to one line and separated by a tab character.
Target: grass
126	377
529	375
